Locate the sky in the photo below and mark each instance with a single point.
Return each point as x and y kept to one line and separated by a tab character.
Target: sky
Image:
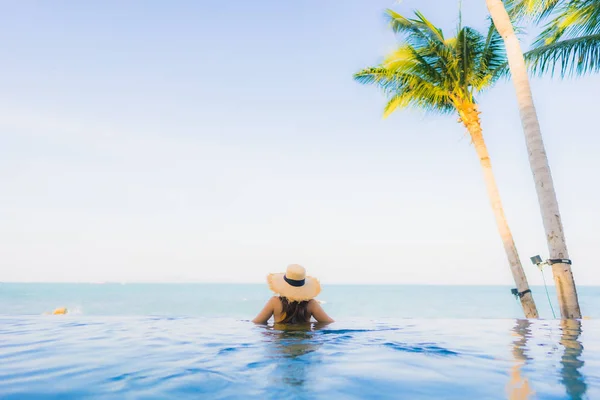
196	141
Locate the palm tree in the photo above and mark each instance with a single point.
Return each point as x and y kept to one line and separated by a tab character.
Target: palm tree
570	42
538	160
433	73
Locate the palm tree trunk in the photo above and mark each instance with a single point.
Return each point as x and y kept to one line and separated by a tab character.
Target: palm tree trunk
563	277
469	116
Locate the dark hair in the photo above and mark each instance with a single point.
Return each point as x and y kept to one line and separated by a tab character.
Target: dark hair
295	312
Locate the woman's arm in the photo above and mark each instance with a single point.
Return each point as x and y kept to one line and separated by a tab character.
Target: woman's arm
317	311
266	313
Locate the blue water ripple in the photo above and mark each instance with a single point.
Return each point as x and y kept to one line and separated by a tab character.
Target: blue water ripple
224	358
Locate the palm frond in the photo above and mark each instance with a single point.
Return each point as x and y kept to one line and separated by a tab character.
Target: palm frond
399	100
419	33
407	59
427	65
493	63
423	36
420	25
574	18
469	48
428	27
404	26
578	56
535	10
372	75
416	90
405	100
401	58
399	23
431	72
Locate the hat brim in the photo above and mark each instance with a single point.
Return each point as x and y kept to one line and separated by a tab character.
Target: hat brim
308	291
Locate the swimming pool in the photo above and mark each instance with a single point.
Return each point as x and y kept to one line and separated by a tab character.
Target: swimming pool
146	357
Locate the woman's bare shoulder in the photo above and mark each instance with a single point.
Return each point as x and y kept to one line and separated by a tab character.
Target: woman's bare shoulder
275	302
312	303
314	307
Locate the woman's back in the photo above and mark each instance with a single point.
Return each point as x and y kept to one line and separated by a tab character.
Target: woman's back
285	311
295	303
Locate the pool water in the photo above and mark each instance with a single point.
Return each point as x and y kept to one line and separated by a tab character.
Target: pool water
126	357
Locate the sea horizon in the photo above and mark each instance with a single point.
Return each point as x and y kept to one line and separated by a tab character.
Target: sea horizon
243	300
550	283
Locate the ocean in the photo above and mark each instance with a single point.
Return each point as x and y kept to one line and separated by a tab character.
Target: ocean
160	341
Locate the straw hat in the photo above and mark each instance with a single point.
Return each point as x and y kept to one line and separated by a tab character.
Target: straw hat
294	284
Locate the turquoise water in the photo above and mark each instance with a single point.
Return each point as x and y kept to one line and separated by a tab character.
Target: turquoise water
148	342
243	301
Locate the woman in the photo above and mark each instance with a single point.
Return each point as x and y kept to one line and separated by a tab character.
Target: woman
295	303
